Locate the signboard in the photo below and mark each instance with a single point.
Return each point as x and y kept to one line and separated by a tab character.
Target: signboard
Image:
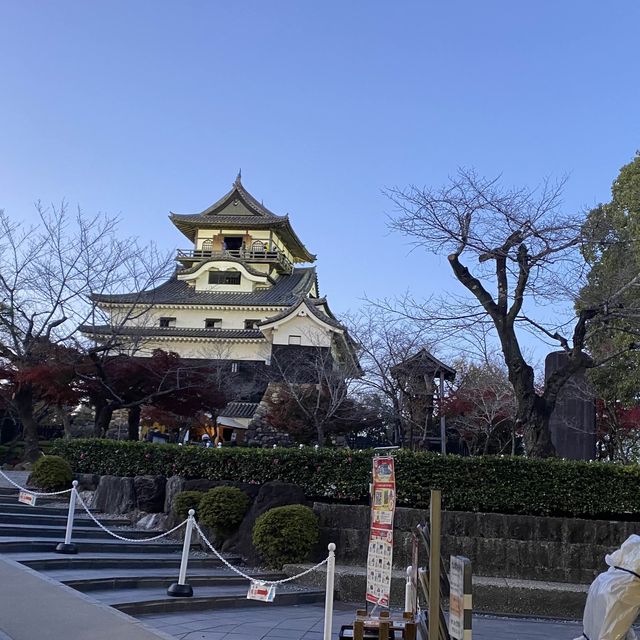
380	556
460	598
261	591
27	498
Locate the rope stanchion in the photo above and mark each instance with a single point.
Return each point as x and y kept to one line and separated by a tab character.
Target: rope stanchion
182	589
123	538
328	596
248	577
68	547
31	491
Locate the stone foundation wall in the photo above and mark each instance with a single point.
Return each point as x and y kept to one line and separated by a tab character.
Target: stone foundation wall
511	546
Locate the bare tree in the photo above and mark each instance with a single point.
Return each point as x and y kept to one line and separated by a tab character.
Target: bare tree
510	249
310	391
47	274
384	341
482	407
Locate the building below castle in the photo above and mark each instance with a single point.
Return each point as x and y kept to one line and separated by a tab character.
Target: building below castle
244	294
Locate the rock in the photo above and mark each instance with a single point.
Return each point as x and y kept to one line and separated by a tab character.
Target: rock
150	493
175	484
271	494
114	495
153	522
87	481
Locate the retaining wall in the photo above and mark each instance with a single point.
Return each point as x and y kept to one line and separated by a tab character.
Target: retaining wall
512	546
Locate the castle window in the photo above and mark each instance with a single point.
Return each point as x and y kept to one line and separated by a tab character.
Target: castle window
167	322
212	323
224	277
233	243
235	367
295	340
251	324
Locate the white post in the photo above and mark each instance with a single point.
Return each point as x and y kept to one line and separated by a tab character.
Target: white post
408	592
181	589
328	600
67	546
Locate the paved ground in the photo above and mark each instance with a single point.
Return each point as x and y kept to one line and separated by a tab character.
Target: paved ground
34	607
305	622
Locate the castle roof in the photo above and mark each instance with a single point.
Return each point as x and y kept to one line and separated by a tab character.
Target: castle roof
172	332
288	289
238	209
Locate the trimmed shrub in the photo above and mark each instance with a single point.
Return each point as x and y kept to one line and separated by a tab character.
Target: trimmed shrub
222	509
51	473
485	483
285	534
184	501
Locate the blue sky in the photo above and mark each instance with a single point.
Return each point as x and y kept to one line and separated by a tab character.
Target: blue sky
138	108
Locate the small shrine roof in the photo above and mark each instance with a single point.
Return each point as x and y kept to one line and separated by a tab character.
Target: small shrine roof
239	410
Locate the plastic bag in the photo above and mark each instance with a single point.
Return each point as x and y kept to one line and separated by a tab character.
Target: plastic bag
613	602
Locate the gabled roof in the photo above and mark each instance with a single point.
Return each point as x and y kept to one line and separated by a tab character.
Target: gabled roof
423	361
311	304
287	290
239	410
238	209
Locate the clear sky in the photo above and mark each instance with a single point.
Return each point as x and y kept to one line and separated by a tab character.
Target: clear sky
136	108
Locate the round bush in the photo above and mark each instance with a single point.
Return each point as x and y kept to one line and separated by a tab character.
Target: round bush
285	534
223	508
51	473
184	501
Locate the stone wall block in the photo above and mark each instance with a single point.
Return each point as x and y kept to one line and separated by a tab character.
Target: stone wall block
114	495
150	493
175	484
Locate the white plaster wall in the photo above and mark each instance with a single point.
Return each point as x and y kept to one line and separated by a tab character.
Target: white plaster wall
194	318
311	334
213	350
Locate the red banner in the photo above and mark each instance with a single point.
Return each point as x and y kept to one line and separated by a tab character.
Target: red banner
380	557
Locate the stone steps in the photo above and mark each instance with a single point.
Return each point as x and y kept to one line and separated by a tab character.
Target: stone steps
81	529
99	583
141	561
130	576
149	601
24	514
23	544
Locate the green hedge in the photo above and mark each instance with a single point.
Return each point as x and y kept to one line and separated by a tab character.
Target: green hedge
502	485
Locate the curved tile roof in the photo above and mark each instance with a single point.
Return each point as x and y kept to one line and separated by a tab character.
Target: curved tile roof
223	214
176	332
287	290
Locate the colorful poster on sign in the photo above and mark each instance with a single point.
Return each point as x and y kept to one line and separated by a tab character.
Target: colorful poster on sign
27	498
380	556
261	591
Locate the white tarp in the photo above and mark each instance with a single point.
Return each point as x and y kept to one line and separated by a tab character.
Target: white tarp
613	602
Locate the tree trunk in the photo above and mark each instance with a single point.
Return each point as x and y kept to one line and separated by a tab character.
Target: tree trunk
23	401
133	422
533	411
103	418
66	421
320	434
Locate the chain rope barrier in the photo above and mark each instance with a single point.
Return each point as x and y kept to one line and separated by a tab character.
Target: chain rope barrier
253	578
35	493
167	533
123	538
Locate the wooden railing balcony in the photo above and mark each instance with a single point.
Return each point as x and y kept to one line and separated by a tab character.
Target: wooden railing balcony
190	256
